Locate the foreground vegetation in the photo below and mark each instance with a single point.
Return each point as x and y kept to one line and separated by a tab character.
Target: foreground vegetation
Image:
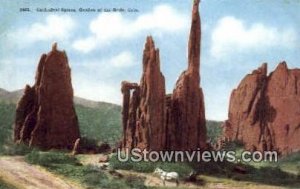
276	174
100	124
4	185
7	114
103	124
89	176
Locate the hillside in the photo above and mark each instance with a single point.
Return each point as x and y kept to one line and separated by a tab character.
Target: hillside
99	121
10	97
14	96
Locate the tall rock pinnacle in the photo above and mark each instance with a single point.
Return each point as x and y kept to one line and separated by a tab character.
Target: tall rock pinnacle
188	102
156	121
45	115
194	40
152	97
143	111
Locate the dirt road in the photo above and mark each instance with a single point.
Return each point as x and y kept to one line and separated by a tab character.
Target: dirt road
17	172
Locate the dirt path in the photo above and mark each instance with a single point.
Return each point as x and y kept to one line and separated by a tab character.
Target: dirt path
17	172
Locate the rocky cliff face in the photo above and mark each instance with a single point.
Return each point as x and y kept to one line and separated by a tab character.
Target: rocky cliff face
45	115
156	121
187	99
143	108
151	113
264	110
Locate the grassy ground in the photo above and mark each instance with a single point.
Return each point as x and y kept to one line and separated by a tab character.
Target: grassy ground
284	173
89	176
4	185
290	164
7	114
106	121
148	167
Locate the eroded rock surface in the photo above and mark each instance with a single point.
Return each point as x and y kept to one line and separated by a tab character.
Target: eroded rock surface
143	108
155	121
187	100
45	115
264	110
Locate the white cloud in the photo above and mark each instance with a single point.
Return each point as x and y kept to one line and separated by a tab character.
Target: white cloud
233	35
124	59
100	80
53	28
113	26
16	72
217	105
97	91
85	45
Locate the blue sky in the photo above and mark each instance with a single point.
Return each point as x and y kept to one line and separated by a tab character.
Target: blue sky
106	48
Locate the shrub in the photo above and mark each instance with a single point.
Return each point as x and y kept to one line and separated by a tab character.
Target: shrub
214	130
135	182
7	114
12	149
89	145
49	158
291	158
90	176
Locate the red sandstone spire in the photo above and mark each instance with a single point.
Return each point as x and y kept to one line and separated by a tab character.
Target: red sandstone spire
45	115
194	40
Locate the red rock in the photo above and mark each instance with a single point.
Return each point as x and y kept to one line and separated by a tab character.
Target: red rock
143	112
24	108
130	105
45	115
187	100
264	111
155	121
152	96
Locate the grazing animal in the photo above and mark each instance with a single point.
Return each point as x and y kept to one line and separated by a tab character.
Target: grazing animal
169	176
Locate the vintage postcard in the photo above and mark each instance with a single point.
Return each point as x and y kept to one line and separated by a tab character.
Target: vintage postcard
150	94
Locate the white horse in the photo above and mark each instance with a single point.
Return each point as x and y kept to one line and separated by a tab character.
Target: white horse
169	176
